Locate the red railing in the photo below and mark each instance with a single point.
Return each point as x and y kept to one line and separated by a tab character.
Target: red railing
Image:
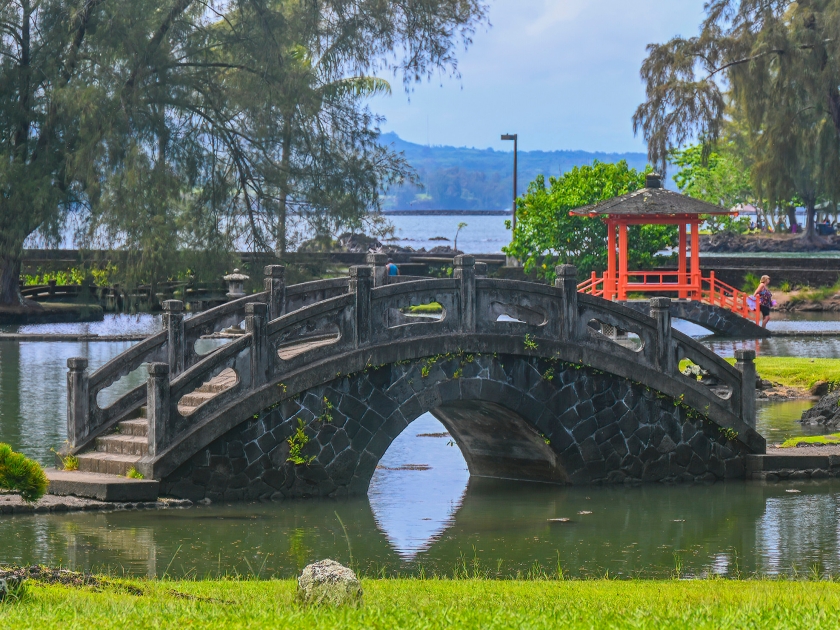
719	293
686	285
592	285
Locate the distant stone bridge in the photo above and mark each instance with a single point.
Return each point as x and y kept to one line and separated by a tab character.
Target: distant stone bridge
329	373
719	320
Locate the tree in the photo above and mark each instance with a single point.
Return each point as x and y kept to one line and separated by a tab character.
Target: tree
182	123
461	226
720	178
21	475
774	62
547	235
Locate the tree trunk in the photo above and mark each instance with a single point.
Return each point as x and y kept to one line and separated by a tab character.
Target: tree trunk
285	165
810	220
9	280
791	213
810	235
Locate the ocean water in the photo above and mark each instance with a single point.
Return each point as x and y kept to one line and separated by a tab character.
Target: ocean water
481	234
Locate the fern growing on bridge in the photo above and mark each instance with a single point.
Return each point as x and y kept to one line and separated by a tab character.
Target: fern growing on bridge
21	475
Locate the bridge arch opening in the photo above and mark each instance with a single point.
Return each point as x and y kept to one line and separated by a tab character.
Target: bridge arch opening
418	487
420	481
494	441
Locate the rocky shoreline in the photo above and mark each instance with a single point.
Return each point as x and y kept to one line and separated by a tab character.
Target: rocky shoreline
729	243
13	504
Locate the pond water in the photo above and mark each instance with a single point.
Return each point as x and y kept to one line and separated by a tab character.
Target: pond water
439	521
423	511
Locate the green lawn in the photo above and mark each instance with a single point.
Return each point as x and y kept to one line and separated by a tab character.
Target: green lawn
834	438
797	372
435	604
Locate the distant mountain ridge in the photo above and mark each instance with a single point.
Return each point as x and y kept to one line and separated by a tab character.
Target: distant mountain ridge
461	178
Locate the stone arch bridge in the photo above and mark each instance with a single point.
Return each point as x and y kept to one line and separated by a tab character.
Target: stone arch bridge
327	374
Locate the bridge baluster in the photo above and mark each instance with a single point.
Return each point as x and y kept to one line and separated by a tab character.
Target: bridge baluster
77	400
380	273
157	406
566	281
465	272
745	363
361	281
173	322
660	310
275	284
255	320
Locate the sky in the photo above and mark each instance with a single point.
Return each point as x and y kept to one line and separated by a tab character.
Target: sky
563	74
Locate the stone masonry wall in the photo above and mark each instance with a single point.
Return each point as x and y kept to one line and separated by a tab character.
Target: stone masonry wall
599	429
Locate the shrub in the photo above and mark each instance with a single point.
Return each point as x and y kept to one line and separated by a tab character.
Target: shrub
133	473
751	282
546	235
21	475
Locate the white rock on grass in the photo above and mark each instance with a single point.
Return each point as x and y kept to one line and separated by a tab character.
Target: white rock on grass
329	583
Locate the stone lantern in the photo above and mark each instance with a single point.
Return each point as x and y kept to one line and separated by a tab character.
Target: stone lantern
236	284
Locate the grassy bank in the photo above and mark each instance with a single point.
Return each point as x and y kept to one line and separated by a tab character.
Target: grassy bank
435	604
818	440
797	372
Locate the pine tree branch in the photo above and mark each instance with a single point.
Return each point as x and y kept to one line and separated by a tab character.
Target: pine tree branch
775	51
157	39
225	66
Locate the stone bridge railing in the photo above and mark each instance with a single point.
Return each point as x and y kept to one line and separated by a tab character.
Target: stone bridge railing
289	329
175	346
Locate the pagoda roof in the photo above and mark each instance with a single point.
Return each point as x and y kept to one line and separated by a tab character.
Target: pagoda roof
652	201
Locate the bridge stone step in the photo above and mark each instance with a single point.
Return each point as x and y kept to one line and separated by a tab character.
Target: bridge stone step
138	427
223	381
195	399
101	487
107	463
123	444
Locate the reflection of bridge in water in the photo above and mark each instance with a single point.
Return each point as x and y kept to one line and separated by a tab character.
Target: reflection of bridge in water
720	528
328	373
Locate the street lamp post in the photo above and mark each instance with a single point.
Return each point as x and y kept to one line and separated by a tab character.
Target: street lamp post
515	138
511	261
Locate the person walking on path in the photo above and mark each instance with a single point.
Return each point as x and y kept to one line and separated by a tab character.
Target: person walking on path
764	299
393	270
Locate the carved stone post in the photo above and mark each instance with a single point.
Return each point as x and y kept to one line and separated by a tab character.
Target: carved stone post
173	322
566	281
361	281
275	284
157	406
379	263
660	310
745	363
465	272
77	400
255	325
480	270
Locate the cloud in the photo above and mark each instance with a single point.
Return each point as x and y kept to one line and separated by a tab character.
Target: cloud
552	13
564	74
